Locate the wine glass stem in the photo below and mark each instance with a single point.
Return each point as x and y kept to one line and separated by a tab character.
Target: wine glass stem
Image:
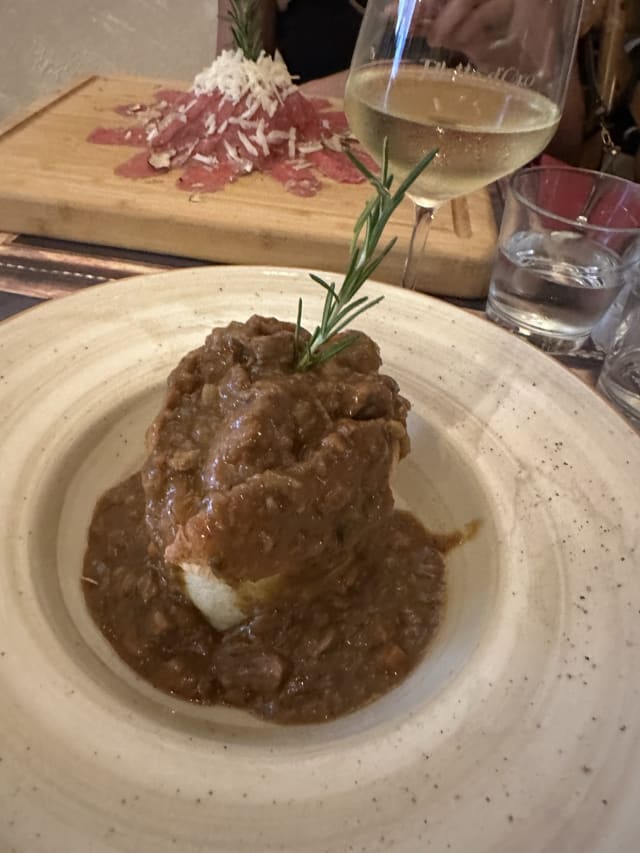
416	255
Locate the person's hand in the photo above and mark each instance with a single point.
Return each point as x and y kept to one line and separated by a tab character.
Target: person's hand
459	25
462	25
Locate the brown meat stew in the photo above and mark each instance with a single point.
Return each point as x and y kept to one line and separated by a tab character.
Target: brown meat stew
255	471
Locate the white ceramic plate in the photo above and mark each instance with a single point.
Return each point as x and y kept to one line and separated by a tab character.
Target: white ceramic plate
518	732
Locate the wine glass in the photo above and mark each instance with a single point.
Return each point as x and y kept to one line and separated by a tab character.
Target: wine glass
482	81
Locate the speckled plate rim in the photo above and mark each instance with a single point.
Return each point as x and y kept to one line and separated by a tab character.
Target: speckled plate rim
528	742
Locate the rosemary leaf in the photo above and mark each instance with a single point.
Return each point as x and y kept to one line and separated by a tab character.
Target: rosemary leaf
340	306
246	21
330	351
328	304
296	335
342	325
373	179
329	287
413	174
351	307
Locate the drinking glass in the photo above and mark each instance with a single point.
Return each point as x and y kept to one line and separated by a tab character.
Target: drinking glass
620	376
482	81
568	243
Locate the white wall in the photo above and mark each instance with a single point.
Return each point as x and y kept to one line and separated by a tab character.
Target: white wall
46	43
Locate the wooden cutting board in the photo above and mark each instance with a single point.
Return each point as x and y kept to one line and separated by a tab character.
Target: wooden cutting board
55	184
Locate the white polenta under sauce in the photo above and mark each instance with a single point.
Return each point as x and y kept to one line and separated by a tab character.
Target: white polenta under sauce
225	606
215	599
220	603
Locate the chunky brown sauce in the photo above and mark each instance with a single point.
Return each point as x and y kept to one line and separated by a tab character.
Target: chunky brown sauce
325	648
254	471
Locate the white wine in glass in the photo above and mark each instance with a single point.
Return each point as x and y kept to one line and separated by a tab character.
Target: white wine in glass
487	97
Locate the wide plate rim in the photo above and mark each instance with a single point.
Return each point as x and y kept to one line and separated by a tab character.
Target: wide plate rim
488	413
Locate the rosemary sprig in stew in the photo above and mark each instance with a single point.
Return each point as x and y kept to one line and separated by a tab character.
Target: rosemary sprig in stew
246	21
340	307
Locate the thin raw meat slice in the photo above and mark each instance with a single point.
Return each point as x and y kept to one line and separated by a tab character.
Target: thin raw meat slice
226	108
300	182
131	109
224	127
169	96
167	131
335	121
180	130
299	112
138	167
194	128
207	179
320	103
134	136
336	165
143	113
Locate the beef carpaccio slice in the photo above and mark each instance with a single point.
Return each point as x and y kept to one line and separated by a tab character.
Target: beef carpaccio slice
229	125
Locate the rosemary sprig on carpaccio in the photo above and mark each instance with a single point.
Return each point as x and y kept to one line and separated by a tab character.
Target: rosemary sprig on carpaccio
246	24
340	306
